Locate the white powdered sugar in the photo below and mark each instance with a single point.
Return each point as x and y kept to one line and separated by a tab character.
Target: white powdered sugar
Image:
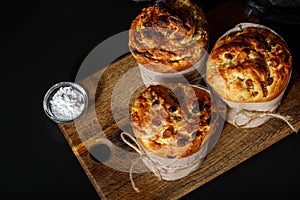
67	103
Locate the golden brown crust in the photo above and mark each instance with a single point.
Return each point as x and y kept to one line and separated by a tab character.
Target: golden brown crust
169	37
171	121
251	65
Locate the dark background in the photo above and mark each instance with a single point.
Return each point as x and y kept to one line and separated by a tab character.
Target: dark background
44	43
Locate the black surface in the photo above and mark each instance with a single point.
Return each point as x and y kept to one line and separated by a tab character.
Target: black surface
44	43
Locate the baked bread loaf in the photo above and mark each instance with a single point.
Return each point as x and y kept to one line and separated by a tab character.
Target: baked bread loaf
169	37
252	64
171	121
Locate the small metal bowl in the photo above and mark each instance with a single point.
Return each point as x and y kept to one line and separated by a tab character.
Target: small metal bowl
53	90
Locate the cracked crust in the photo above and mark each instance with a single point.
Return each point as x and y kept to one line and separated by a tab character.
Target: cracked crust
251	65
169	37
172	121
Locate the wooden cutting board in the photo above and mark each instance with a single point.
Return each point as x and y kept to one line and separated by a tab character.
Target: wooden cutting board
98	131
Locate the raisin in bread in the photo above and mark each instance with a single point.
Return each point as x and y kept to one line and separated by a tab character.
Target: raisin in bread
172	121
252	64
169	37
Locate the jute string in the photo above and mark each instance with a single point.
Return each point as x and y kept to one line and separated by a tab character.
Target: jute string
252	115
142	153
153	167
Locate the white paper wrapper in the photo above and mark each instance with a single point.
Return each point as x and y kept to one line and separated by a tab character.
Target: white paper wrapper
191	75
244	25
173	169
176	168
249	121
234	108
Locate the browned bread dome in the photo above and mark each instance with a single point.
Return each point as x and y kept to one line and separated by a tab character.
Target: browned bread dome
169	37
252	64
172	121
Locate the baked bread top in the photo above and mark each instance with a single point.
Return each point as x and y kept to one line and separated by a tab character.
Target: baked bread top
172	121
250	65
169	37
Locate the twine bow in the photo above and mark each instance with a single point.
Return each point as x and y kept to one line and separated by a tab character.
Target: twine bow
252	115
151	165
142	153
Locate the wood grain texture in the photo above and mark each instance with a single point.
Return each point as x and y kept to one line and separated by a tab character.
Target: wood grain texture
99	125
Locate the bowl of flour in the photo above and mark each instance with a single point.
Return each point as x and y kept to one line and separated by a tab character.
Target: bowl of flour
64	102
